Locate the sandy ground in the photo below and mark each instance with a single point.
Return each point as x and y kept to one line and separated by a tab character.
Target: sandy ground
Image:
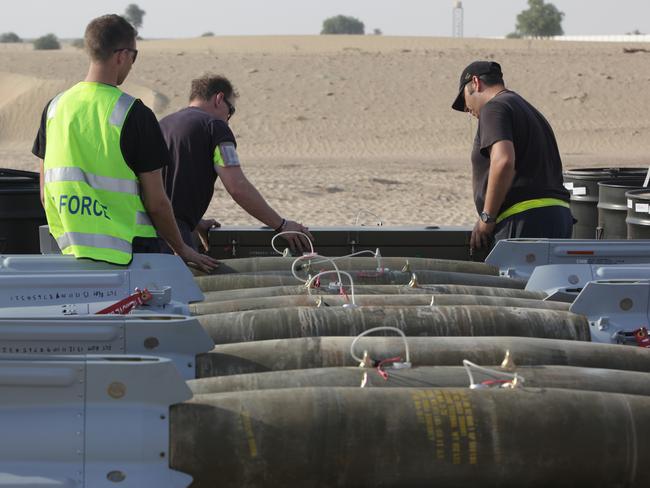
329	125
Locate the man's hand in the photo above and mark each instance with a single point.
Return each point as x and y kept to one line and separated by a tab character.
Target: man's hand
202	229
296	240
198	260
481	235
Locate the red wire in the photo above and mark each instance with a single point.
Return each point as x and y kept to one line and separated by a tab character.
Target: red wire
383	373
343	294
495	382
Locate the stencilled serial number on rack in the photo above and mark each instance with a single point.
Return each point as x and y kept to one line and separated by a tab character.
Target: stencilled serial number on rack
60	349
96	295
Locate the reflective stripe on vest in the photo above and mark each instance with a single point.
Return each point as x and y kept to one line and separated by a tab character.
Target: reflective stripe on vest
121	109
97	182
142	218
118	115
51	108
93	240
529	205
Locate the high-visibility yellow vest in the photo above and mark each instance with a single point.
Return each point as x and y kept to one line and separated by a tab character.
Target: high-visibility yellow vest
92	197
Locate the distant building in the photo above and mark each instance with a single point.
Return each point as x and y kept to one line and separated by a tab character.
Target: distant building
614	38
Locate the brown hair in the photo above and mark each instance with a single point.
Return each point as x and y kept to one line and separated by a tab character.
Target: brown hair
207	85
107	33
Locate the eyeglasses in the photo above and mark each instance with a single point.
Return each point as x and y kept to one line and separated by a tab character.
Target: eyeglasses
231	108
131	50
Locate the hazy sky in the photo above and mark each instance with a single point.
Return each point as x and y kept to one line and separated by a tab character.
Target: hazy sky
190	18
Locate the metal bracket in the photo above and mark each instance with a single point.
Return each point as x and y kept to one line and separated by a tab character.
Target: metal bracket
91	308
38	280
614	307
572	278
602	323
178	338
517	258
95	422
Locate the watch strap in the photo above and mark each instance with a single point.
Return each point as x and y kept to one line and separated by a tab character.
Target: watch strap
487	218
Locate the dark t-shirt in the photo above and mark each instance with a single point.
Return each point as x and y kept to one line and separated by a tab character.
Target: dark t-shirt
192	136
141	140
538	167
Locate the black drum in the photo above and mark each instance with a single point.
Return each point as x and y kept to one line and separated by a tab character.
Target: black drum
21	212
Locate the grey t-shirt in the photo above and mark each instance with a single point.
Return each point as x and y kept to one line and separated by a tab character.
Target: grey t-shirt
538	166
193	137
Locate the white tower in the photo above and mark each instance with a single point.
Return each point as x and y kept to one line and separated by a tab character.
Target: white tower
457	19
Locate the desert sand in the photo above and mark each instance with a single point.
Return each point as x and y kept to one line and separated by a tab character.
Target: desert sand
329	125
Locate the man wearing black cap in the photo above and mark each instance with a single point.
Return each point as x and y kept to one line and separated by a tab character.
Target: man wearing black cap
516	165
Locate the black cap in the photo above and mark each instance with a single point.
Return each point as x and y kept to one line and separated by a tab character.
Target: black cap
477	68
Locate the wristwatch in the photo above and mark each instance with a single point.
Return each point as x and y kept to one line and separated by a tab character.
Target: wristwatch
487	218
281	226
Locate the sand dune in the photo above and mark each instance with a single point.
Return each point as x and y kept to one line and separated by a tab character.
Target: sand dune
13	86
21	102
330	124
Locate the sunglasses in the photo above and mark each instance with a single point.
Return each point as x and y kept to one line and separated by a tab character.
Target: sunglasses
131	50
231	108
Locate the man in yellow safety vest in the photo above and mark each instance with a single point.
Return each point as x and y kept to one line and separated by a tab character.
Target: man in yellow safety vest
102	154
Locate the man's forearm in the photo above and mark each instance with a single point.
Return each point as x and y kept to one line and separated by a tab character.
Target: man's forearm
502	173
159	209
162	217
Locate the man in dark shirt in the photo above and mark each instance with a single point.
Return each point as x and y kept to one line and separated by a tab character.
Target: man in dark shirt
111	43
202	148
516	165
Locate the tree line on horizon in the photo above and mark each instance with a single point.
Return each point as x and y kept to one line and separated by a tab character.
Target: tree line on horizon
541	19
132	13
